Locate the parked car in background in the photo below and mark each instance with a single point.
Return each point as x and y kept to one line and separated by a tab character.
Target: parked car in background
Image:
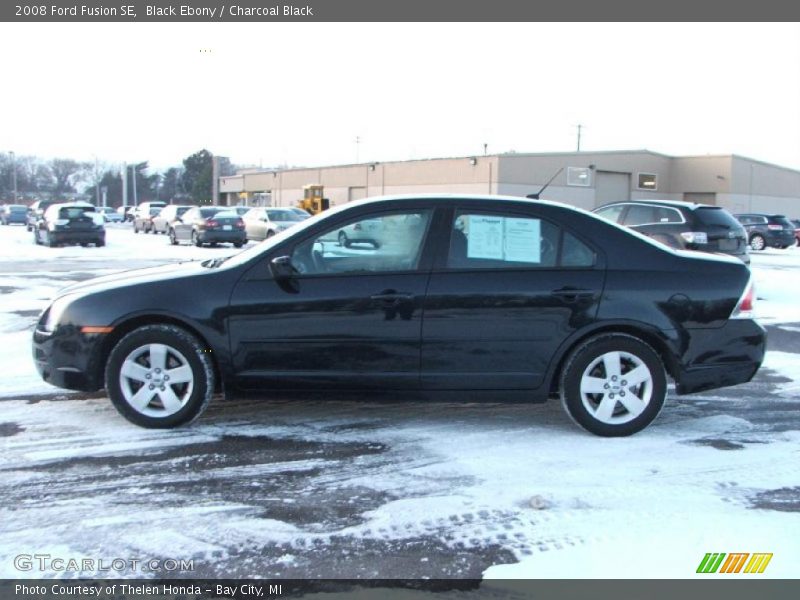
127	213
14	213
300	211
209	225
767	231
110	215
491	297
143	214
36	211
262	223
162	221
796	223
363	232
143	218
682	225
70	223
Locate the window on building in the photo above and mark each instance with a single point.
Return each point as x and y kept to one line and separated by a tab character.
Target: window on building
647	181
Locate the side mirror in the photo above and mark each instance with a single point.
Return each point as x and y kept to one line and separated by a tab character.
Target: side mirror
282	268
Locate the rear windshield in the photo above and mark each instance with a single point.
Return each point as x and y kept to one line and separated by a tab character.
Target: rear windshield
717	216
209	211
74	212
18	209
182	209
780	220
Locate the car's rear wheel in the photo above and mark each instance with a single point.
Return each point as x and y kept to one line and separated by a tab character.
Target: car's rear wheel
160	376
196	239
757	242
172	238
613	385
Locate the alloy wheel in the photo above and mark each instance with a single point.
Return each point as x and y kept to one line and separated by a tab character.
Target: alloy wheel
616	387
156	380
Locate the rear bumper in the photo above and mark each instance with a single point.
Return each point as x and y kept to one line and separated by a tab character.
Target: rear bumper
215	236
778	240
721	357
88	236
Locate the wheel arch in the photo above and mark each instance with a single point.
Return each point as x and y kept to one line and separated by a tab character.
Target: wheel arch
123	328
642	331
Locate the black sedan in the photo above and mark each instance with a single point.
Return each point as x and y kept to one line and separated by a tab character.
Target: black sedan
467	297
70	223
208	225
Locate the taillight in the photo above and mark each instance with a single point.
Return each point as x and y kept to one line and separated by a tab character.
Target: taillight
239	224
772	227
212	223
695	237
744	308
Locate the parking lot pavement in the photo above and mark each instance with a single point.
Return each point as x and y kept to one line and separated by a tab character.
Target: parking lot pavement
273	487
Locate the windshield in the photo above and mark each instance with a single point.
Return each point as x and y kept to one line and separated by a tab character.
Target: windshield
209	211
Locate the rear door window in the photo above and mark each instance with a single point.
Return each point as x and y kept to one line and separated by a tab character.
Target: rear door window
505	241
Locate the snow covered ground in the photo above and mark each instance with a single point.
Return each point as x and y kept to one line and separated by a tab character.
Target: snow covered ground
338	488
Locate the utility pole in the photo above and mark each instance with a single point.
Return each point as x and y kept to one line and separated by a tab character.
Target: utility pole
580	127
14	174
96	183
485	149
358	141
135	199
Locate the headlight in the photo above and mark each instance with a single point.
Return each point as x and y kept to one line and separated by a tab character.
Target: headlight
56	311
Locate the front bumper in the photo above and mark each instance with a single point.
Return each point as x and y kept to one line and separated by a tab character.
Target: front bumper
721	357
68	359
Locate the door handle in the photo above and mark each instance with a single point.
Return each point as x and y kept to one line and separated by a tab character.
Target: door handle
572	294
391	298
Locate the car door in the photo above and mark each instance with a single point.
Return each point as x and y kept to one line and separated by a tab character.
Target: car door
505	292
348	318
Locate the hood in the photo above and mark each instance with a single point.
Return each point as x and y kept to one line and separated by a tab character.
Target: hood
137	276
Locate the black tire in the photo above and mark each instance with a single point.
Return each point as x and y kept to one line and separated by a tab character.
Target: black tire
36	239
172	238
270	233
182	349
238	244
586	360
196	240
757	242
135	228
100	243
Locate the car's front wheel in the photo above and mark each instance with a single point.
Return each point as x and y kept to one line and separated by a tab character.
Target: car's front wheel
160	376
757	242
613	385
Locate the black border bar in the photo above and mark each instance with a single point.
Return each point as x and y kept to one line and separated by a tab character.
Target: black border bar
273	11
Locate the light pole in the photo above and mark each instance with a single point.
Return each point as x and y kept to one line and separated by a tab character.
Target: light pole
14	174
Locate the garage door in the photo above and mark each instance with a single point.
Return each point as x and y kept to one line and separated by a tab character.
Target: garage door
356	193
700	197
612	187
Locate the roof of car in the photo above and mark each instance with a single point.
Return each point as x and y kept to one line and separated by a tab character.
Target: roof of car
664	202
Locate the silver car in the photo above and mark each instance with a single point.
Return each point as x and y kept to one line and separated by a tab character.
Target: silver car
262	223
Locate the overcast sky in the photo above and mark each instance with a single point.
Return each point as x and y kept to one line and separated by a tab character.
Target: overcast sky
300	94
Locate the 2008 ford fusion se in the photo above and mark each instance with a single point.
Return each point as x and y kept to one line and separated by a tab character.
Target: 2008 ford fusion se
463	296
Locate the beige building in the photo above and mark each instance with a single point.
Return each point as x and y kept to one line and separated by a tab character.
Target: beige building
585	179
